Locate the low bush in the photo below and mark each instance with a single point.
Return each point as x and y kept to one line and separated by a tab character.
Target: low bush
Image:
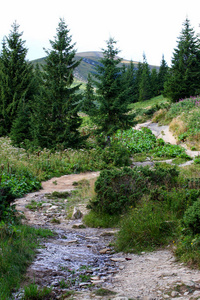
187	248
14	186
115	155
117	190
177	199
144	141
159	115
191	217
18	184
197	160
6	198
182	106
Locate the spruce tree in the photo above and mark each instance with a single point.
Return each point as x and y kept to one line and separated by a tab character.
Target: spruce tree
88	105
154	83
162	75
20	130
137	81
184	78
56	119
112	95
145	91
16	77
129	75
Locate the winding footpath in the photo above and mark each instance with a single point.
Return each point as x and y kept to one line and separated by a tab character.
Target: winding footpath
81	259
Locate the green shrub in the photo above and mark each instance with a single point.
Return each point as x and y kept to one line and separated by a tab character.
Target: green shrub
19	184
115	155
197	160
117	190
191	217
176	199
188	249
6	198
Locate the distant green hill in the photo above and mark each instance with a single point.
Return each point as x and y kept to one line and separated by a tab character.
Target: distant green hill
89	60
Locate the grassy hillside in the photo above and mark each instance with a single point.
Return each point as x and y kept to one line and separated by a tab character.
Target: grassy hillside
89	60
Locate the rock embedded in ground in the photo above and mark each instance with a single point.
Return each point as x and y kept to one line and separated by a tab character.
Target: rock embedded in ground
78	226
106	250
46	205
109	232
118	259
77	214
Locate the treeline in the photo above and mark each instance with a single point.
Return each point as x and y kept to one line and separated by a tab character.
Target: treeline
39	106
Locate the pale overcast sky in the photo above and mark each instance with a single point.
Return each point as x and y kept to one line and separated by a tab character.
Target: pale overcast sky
138	26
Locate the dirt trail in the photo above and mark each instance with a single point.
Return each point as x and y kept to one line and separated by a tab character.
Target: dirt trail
65	183
153	275
164	133
159	131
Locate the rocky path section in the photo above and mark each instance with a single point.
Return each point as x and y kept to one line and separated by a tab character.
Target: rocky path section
77	258
164	133
156	276
159	131
81	259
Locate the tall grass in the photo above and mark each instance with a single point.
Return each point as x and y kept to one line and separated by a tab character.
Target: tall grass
45	164
17	249
146	228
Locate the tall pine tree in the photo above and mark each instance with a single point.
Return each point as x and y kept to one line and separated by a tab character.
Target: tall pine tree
145	91
112	94
56	119
137	80
16	78
88	105
154	83
129	75
184	79
162	75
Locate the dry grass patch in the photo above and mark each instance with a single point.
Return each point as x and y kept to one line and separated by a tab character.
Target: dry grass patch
178	126
159	116
81	196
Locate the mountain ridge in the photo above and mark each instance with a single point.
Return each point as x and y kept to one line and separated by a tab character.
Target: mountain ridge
89	60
